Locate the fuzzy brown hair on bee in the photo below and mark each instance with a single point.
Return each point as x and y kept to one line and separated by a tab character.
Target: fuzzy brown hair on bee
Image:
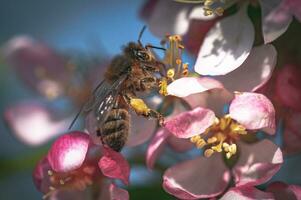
135	70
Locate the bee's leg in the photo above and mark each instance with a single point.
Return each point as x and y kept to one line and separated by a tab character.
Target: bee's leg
139	106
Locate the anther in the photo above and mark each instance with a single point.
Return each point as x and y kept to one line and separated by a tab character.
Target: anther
178	61
211	140
200	143
208	152
50	173
62	182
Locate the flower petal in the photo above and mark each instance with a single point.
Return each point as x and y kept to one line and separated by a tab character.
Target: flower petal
254	111
246	193
214	99
110	191
198	178
118	193
254	72
141	130
37	65
188	124
275	19
191	85
175	21
69	151
155	147
179	144
196	33
284	191
257	163
226	46
33	123
40	175
113	165
288	86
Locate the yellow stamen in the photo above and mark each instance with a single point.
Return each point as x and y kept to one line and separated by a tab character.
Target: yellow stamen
219	11
212	140
171	73
163	87
195	138
200	143
50	173
208	152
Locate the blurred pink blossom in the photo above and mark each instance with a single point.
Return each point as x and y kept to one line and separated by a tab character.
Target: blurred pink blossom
72	165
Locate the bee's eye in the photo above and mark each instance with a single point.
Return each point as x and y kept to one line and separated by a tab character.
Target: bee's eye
143	56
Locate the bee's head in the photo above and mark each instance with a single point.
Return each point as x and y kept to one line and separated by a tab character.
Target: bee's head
137	52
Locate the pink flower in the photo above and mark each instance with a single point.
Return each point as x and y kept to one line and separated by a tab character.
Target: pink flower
209	177
73	164
275	190
256	163
284	90
50	75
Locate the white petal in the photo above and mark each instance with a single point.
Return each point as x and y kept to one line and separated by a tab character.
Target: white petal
226	45
254	72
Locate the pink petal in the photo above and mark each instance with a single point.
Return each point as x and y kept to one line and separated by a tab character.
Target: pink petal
188	124
110	191
34	123
113	165
118	193
31	59
191	85
284	191
40	175
214	99
69	151
254	111
179	144
254	72
141	130
288	86
155	147
275	19
226	45
198	178
175	21
257	163
246	193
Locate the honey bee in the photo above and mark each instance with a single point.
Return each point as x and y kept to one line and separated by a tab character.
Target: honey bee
135	70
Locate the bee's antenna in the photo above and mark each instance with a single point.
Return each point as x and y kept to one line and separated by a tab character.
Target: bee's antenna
140	34
154	47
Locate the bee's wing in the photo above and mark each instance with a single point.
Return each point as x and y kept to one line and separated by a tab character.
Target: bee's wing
103	99
106	99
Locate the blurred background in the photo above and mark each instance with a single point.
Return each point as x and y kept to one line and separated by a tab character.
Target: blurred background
87	33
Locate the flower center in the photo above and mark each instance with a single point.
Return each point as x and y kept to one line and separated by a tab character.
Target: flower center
78	179
220	137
